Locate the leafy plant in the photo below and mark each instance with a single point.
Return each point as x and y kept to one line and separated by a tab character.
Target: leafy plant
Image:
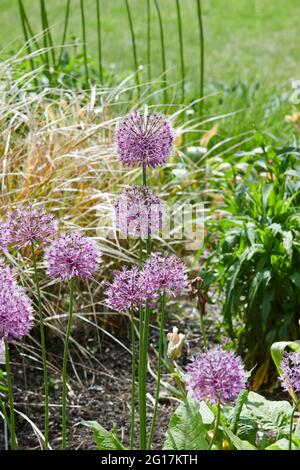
255	259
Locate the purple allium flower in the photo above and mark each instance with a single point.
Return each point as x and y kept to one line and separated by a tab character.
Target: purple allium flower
27	224
217	375
144	139
72	255
126	291
138	212
164	273
4	235
16	312
290	378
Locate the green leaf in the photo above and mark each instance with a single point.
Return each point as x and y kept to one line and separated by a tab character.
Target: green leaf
282	444
269	415
105	440
278	349
241	400
238	443
186	430
295	278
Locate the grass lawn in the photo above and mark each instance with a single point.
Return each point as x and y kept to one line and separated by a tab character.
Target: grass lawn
251	48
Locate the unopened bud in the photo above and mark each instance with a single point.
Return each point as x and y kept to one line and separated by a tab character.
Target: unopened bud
175	340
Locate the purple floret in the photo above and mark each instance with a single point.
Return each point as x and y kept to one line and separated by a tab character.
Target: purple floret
16	312
126	291
290	378
216	375
144	139
72	255
164	274
27	225
138	212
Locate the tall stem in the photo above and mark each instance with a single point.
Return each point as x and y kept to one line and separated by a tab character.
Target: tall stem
99	41
160	352
163	51
216	427
135	60
140	374
43	346
84	43
65	364
149	40
13	441
182	66
143	382
132	381
201	40
292	424
203	331
64	37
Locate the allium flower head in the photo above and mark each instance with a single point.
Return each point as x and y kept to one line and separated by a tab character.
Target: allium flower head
4	235
27	224
72	255
138	212
15	307
290	378
216	375
164	273
126	291
144	139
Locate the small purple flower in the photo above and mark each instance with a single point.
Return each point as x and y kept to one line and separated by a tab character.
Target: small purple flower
216	375
126	291
27	225
144	139
16	312
290	378
72	255
164	274
138	212
4	235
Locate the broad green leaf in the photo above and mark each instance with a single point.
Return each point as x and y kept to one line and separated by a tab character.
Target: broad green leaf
268	414
295	277
186	430
207	415
282	444
238	443
105	440
241	400
278	349
288	243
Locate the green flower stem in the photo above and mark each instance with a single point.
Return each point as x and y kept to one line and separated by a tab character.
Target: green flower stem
182	66
99	41
163	52
160	353
292	424
201	48
134	51
144	176
144	333
43	346
65	364
64	37
86	70
133	382
203	331
140	373
143	381
12	431
149	41
216	427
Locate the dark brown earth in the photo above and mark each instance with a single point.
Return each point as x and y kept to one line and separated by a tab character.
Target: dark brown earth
99	389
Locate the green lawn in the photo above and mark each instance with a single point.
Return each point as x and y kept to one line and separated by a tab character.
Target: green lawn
251	47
